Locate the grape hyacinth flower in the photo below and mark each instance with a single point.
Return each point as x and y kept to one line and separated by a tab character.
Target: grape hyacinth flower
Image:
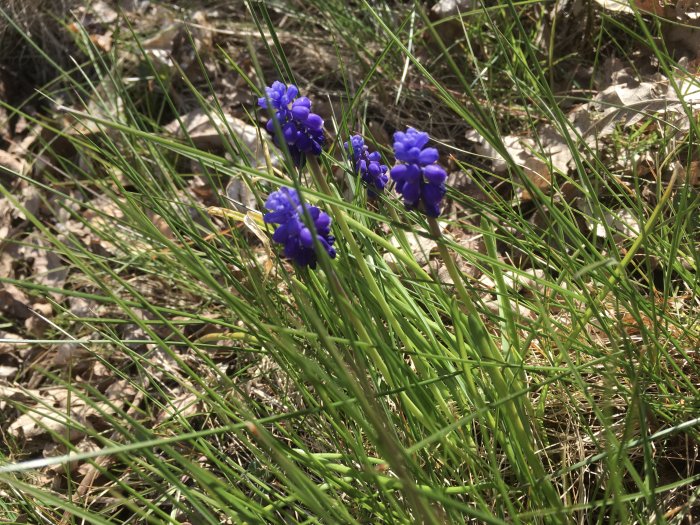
367	164
301	130
419	178
286	210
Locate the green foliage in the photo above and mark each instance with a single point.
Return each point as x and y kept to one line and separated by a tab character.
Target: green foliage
375	389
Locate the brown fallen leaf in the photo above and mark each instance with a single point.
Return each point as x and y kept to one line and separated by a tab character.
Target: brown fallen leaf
626	97
183	406
11	163
679	20
172	45
40	320
47	267
622	224
102	41
656	7
103	13
420	247
7	372
534	156
7	344
14	302
445	12
211	130
56	410
240	195
5	218
40	420
691	174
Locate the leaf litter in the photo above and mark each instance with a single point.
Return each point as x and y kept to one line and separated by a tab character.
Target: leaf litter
40	417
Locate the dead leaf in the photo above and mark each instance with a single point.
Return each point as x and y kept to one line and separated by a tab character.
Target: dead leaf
533	156
40	320
52	450
6	342
163	39
202	191
48	268
81	307
445	8
5	218
684	36
445	13
252	224
163	361
173	43
51	416
211	130
522	312
625	99
691	174
240	195
121	389
615	6
30	199
622	224
420	247
69	352
7	371
11	163
624	6
14	302
103	13
182	406
103	41
527	283
56	410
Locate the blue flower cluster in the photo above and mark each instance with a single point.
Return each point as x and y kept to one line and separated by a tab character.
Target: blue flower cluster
419	179
301	129
287	211
367	164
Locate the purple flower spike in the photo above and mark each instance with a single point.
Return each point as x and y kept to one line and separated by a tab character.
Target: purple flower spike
302	130
287	211
280	95
419	179
367	165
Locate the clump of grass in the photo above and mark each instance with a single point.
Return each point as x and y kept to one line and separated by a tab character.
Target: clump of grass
206	380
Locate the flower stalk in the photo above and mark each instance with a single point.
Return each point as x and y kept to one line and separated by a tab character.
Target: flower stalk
320	181
504	381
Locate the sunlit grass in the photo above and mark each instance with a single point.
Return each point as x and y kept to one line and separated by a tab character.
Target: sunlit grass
373	389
